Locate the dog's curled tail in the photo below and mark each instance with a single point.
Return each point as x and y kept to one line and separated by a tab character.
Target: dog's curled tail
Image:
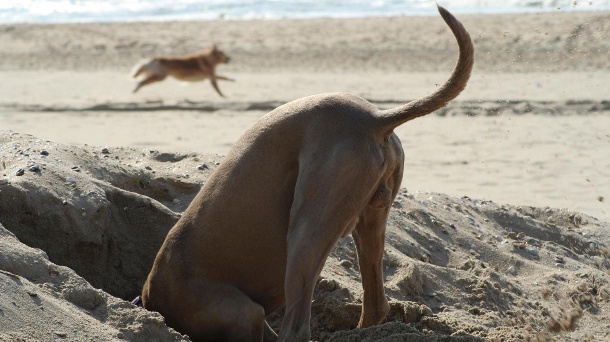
394	117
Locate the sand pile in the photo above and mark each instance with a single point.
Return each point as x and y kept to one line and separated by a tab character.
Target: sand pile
82	224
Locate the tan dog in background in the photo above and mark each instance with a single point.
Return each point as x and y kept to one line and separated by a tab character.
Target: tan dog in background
258	233
191	68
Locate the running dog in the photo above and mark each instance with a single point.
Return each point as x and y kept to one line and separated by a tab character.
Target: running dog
258	233
191	68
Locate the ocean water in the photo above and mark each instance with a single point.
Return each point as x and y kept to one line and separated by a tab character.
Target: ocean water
64	11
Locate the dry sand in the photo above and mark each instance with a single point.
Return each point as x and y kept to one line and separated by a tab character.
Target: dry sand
532	129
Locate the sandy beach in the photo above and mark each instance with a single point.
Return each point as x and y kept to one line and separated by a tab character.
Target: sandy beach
531	129
70	83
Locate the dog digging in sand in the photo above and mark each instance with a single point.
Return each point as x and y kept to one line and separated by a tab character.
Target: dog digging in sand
258	233
191	68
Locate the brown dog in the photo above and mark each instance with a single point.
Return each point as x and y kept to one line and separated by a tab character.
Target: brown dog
191	68
258	233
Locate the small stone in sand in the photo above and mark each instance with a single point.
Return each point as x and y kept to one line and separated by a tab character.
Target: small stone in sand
533	251
519	244
20	172
347	264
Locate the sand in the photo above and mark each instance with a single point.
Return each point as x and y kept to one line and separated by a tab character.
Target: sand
523	150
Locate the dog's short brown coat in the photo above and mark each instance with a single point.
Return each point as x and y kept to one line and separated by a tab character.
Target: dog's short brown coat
191	68
259	231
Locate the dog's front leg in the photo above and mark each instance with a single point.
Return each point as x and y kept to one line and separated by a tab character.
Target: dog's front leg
224	78
215	85
369	237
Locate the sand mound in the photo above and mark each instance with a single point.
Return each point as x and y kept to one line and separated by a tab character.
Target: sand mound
42	301
103	213
456	268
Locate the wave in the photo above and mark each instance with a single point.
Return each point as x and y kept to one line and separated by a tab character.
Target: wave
67	11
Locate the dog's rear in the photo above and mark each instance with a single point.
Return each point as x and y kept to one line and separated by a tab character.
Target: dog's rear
147	67
152	69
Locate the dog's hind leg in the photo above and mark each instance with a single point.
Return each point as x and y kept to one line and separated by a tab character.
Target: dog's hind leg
148	80
325	208
369	237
